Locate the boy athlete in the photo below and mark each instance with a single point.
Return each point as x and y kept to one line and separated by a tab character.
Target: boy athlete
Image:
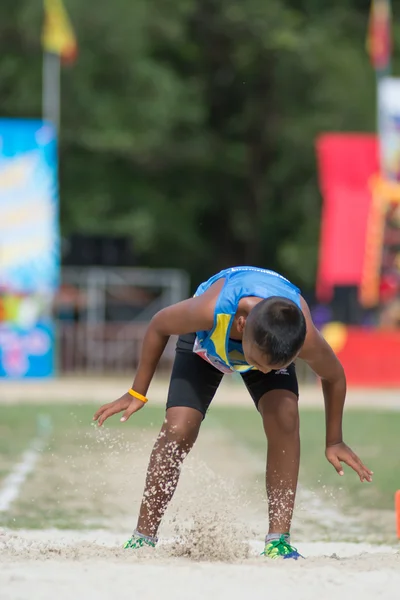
255	322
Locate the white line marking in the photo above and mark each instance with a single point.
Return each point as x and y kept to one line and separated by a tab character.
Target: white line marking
14	481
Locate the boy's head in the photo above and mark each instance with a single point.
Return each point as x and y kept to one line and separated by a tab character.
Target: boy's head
273	334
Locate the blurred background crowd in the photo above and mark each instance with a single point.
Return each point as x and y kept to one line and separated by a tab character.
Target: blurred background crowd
182	137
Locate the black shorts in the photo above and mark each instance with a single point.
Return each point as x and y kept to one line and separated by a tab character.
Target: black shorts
194	381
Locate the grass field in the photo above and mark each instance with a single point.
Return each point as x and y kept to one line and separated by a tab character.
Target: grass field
373	435
75	471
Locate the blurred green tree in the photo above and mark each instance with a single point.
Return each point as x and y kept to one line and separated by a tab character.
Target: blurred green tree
190	124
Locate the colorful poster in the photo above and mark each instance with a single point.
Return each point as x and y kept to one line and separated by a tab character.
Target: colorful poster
26	336
29	236
389	127
29	247
388	190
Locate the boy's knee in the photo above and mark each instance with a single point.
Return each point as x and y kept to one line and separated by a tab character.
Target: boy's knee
180	428
282	416
182	434
288	418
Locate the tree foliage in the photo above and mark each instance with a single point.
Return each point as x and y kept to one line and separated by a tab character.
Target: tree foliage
189	125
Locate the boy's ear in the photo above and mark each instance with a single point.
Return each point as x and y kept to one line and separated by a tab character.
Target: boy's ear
241	322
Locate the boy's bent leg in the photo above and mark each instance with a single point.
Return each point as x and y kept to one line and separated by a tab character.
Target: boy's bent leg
192	388
275	395
280	415
176	438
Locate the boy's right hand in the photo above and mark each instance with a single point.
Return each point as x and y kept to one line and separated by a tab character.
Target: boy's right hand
126	403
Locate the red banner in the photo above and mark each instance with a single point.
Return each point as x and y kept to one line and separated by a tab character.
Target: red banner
370	357
346	164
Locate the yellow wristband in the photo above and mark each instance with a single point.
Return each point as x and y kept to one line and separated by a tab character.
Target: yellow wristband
138	396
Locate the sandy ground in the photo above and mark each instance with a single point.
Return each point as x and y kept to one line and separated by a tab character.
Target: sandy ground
219	504
212	535
49	564
231	392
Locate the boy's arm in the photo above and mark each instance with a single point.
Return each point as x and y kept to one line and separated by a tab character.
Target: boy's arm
317	353
188	316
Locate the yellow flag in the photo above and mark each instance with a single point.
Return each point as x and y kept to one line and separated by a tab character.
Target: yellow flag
58	35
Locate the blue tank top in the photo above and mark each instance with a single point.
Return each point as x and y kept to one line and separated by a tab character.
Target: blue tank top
215	346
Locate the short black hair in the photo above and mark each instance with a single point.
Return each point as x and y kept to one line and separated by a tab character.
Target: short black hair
278	327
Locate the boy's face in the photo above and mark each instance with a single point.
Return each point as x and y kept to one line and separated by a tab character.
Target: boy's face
254	355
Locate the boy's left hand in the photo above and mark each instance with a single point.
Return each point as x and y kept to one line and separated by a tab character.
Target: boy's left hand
338	453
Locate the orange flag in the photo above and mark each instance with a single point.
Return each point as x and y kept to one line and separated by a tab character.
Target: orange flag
379	42
58	36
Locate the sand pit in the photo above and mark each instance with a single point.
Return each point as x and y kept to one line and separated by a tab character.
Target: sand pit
49	564
213	511
210	541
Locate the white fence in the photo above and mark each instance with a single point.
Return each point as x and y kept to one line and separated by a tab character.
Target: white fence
102	315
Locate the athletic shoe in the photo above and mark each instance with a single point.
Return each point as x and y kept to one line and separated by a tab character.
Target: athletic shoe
137	542
280	549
